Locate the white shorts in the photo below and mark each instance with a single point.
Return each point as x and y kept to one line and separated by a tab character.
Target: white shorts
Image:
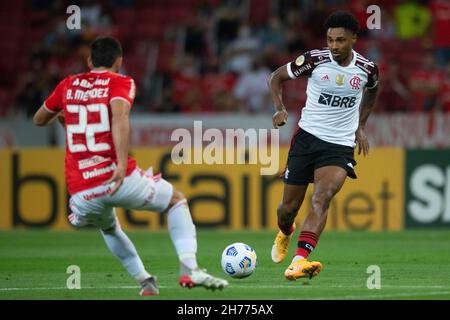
139	191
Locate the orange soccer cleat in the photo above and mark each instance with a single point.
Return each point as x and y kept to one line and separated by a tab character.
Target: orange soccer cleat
280	246
303	268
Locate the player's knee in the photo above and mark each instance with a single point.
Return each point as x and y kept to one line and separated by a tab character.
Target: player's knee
109	230
176	197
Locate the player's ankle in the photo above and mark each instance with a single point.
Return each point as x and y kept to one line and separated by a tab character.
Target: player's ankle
286	228
144	275
187	265
297	257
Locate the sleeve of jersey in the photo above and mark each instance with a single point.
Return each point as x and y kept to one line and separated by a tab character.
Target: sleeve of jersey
54	102
372	81
302	66
123	88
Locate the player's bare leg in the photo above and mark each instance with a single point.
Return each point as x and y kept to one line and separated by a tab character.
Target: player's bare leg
327	182
287	211
183	234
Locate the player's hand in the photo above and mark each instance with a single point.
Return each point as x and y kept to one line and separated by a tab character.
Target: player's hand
363	142
118	176
279	118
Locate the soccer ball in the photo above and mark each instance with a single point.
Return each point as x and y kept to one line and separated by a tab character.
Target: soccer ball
239	260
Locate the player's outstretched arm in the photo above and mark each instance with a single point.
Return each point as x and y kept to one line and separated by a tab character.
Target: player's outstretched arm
275	82
120	127
367	105
44	117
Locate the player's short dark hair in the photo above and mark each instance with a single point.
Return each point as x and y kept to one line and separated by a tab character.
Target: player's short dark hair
105	51
342	19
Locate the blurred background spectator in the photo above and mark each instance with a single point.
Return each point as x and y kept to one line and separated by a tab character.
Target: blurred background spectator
215	56
413	19
251	89
426	83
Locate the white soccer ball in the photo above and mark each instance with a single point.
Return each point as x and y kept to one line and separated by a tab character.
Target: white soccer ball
239	260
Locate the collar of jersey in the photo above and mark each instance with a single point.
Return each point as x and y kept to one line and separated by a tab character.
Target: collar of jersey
352	63
99	71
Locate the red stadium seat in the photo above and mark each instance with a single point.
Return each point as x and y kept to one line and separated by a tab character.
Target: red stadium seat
35	17
166	53
259	11
124	16
149	31
178	15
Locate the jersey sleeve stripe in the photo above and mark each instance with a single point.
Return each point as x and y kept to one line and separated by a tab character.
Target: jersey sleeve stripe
291	75
132	91
361	57
46	108
366	62
119	98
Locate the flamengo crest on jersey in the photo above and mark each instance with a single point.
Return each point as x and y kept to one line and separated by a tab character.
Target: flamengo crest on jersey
85	100
334	93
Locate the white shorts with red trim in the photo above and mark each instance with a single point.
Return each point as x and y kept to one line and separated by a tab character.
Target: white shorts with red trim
141	190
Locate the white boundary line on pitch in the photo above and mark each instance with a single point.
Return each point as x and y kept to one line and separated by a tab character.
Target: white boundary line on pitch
231	286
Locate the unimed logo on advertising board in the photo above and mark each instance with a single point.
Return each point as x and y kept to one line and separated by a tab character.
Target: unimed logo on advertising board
427	188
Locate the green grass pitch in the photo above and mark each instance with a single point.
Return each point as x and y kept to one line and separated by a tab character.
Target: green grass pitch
413	264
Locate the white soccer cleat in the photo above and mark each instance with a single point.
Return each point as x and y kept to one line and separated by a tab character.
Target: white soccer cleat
149	287
199	278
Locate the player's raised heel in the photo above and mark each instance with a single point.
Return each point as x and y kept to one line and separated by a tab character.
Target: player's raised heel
149	287
280	246
199	278
303	268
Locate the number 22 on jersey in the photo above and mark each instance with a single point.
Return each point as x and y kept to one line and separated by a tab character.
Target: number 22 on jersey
89	129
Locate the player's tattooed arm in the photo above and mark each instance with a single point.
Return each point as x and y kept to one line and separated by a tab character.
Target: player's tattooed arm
367	105
275	82
120	128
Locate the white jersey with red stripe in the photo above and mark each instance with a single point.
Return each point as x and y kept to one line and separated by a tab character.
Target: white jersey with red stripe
85	101
334	93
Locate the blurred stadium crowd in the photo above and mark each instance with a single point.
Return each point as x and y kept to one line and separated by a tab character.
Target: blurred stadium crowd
215	56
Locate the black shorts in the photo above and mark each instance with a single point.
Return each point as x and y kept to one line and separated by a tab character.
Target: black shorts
308	153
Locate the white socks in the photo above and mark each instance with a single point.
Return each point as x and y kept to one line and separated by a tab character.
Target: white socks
297	258
181	231
122	247
183	235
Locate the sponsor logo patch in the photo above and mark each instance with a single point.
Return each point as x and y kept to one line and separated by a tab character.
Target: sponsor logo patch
300	60
336	101
98	172
90	162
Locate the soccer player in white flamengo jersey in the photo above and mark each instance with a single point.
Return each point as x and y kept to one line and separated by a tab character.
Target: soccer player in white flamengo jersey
94	109
341	92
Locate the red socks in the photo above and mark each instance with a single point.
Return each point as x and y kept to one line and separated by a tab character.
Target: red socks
307	241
